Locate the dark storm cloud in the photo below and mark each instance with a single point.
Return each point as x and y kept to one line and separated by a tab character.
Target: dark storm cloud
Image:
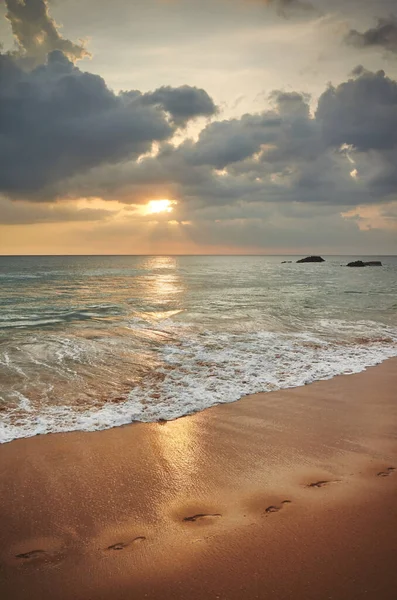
183	103
343	155
278	134
225	142
58	121
266	153
361	112
36	33
384	35
288	154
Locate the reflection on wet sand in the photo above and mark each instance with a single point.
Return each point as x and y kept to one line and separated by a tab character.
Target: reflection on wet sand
179	449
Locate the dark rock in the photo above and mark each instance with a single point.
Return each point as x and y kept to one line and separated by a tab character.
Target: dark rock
310	259
360	263
284	262
356	263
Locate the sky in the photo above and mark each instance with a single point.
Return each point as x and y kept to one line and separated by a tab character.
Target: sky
198	127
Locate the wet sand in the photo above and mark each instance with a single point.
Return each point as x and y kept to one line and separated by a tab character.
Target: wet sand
284	495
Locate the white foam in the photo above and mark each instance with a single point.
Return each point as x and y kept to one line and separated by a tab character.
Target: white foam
206	368
18	276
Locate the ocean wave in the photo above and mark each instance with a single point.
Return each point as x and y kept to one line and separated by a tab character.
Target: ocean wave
204	370
10	320
19	276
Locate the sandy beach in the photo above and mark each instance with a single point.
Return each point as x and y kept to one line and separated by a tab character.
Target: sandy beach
284	495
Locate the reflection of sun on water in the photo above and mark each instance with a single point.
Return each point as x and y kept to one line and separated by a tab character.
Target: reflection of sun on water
162	287
157	206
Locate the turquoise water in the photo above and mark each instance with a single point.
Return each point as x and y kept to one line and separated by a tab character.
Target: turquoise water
93	342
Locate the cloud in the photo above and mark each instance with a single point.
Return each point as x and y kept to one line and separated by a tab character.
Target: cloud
361	112
36	33
19	213
382	217
384	35
58	121
284	6
225	142
343	155
287	7
183	103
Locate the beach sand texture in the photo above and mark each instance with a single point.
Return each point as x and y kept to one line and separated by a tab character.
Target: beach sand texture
284	495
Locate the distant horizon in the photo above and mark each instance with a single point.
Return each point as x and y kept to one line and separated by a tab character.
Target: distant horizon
169	254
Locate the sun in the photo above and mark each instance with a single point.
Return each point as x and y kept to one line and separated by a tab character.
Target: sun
157	206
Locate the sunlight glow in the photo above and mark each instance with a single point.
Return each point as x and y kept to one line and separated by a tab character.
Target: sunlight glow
157	206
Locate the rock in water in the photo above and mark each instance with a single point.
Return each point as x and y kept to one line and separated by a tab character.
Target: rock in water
311	259
360	263
356	263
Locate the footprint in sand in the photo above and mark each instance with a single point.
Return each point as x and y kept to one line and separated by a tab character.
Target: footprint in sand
38	556
319	484
124	545
273	509
387	472
38	551
31	555
201	517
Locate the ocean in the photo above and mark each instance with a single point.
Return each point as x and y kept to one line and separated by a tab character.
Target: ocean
93	342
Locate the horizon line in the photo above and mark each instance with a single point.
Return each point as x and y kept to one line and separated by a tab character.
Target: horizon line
171	254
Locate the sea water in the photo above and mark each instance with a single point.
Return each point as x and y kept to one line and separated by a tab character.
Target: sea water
94	342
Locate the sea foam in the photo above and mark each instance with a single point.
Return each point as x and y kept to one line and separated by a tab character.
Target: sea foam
206	369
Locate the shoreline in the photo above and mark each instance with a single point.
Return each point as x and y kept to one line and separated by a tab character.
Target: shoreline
123	412
286	494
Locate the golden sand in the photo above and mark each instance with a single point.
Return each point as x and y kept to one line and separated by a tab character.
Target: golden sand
285	495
